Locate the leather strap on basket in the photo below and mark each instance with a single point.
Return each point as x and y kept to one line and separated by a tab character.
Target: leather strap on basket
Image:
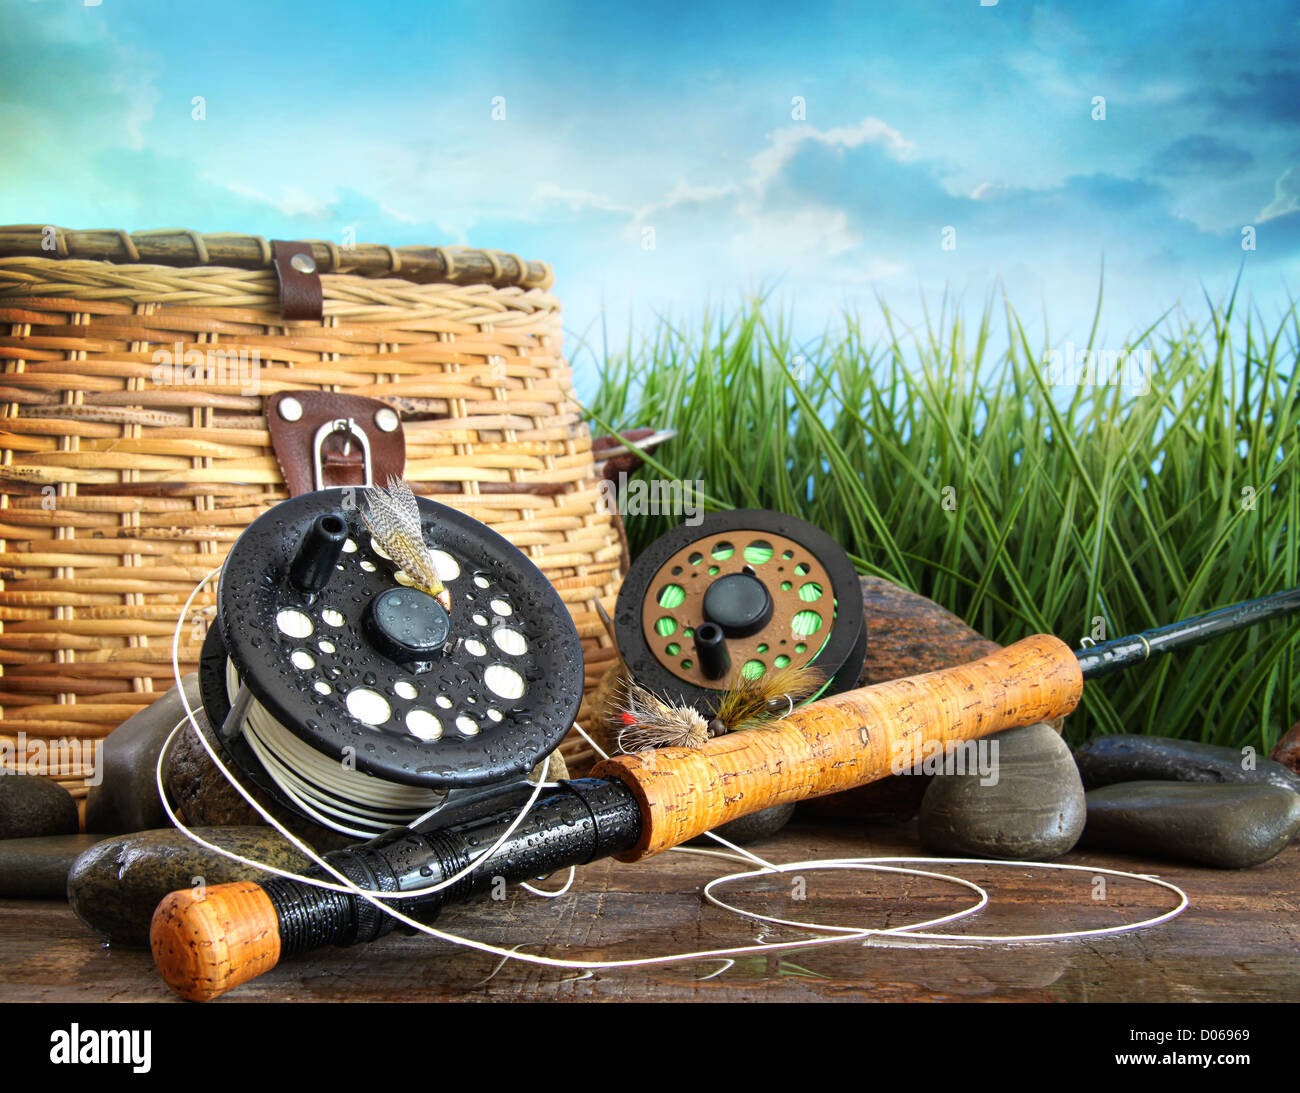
324	439
300	289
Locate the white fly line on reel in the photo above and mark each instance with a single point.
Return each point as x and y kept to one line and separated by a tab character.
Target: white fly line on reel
346	800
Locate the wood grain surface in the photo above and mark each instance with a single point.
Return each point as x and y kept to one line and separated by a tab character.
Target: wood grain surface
1238	941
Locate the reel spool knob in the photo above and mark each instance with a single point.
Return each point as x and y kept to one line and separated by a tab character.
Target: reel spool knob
736	606
408	625
740	603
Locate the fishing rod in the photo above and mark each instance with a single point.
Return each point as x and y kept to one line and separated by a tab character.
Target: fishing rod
635	806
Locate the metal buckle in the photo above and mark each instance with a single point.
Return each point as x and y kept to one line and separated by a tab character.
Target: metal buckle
341	425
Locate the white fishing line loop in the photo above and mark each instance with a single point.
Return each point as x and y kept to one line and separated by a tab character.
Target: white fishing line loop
839	934
911	933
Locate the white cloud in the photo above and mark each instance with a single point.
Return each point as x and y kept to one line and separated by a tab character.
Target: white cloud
800	239
1286	197
682	195
784	144
293	201
398	215
577	200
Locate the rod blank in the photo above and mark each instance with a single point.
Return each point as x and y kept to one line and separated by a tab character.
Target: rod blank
1120	653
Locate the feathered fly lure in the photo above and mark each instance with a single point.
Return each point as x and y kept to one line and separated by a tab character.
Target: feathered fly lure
750	703
651	722
392	517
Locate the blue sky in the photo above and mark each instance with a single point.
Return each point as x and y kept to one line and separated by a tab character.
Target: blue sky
682	118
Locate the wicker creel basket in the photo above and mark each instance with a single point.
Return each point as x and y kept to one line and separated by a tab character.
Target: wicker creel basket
124	482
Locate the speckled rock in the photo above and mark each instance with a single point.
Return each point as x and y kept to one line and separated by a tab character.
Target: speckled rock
907	634
31	806
1106	760
38	868
127	797
1287	751
1229	826
1034	811
115	886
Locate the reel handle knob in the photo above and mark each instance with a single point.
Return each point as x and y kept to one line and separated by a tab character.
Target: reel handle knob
209	944
711	649
319	553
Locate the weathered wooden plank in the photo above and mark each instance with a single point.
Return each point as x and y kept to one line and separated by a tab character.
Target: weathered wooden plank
1239	941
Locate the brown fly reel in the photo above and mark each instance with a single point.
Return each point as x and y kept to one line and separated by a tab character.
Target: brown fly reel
739	595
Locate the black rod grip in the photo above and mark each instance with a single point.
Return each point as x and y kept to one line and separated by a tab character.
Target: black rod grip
573	824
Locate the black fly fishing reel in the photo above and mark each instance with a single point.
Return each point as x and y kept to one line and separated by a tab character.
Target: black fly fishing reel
741	593
364	703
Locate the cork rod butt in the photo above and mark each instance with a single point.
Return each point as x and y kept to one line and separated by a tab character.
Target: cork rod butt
208	942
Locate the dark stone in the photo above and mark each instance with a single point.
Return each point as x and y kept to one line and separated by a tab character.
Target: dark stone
1229	826
752	828
127	797
38	868
890	800
115	886
1287	751
1033	812
31	806
1105	760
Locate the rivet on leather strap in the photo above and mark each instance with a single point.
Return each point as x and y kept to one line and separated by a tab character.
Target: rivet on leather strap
300	288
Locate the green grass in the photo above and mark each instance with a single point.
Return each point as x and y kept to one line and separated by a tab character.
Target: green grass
960	473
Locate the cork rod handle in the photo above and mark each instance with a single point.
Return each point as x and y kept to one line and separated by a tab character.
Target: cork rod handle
843	741
206	943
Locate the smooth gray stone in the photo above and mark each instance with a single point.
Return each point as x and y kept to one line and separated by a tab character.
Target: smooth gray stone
115	886
31	805
1228	826
38	868
127	797
1035	811
1105	760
